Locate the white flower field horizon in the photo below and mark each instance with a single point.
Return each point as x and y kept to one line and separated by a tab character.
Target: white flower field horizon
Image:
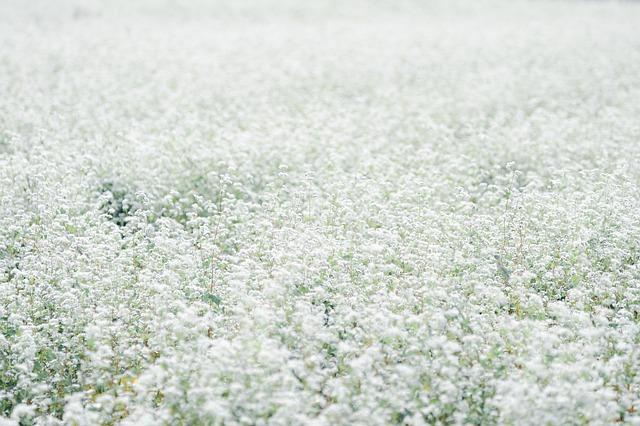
323	213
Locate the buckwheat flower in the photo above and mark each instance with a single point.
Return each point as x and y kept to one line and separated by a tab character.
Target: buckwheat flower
352	221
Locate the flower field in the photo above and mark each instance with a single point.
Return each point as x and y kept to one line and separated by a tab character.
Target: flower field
324	213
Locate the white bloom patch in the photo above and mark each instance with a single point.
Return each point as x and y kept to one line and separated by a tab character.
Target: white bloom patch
325	213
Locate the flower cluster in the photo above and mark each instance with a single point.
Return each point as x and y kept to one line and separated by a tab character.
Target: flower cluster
319	213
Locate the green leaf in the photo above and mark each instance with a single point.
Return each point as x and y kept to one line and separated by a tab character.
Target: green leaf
211	298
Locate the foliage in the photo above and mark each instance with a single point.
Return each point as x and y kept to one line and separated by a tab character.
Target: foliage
319	213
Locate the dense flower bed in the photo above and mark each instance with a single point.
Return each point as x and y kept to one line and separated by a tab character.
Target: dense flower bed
323	213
